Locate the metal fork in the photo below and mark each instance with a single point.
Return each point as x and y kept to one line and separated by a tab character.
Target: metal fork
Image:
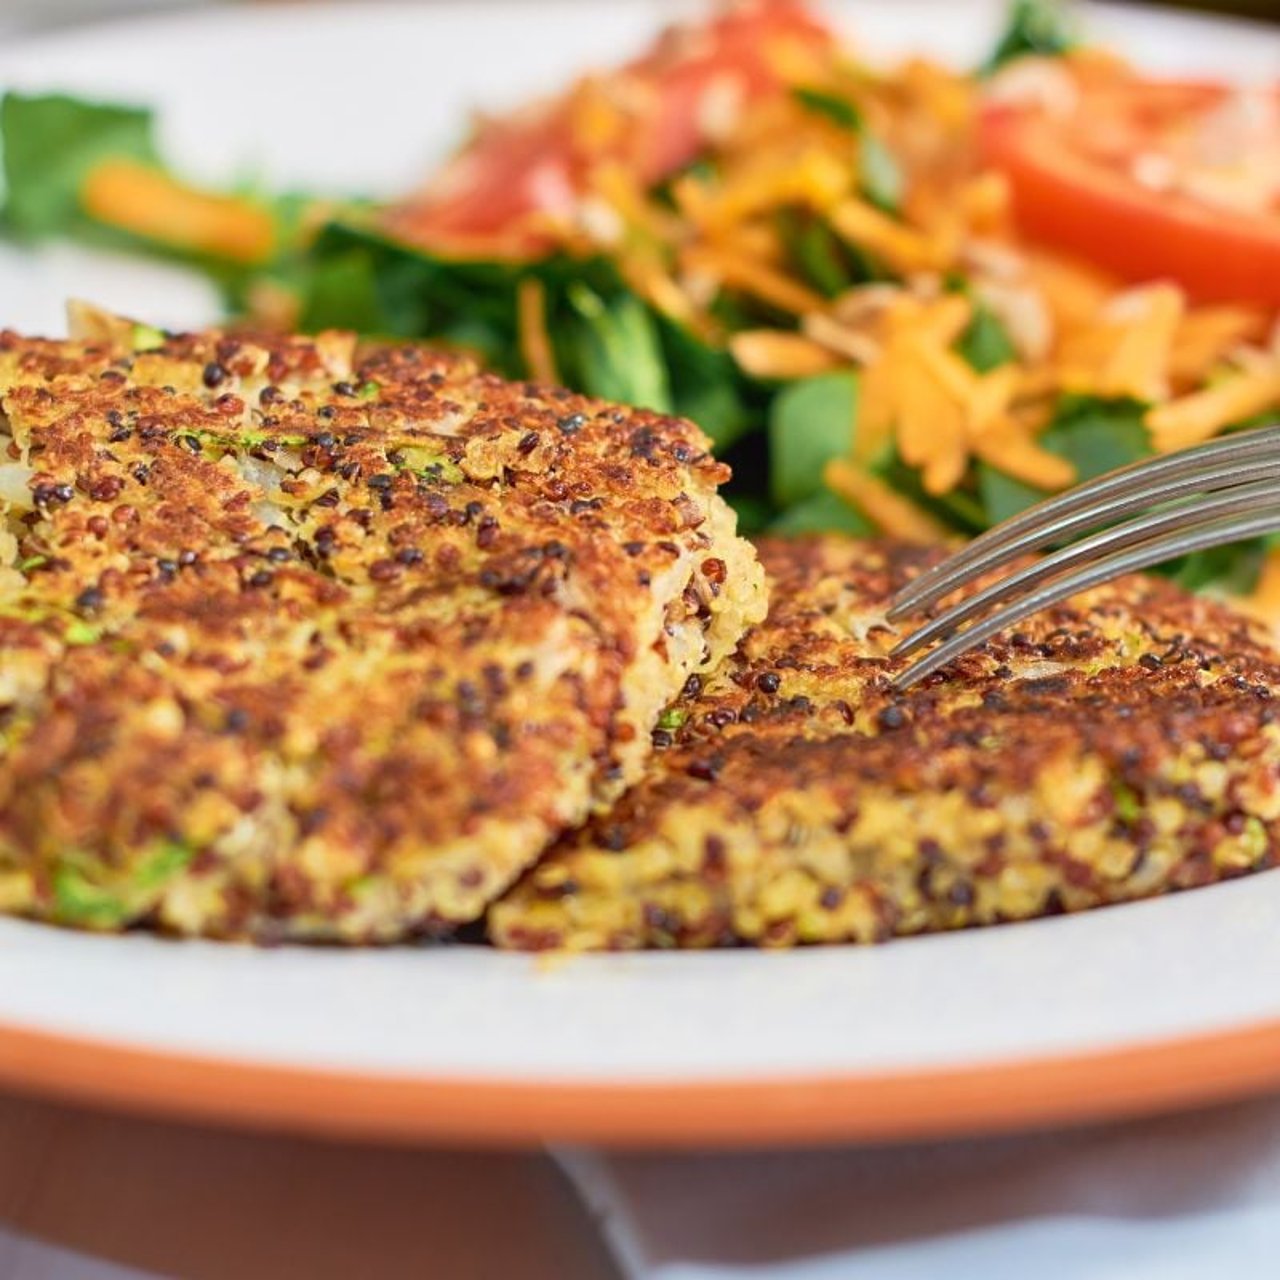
1217	493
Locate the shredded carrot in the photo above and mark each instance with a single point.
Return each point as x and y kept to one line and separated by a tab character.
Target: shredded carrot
1206	335
901	393
885	507
692	198
652	282
941	322
940	411
775	353
1073	292
1037	382
930	426
1202	414
862	225
844	341
945	95
812	178
1012	450
772	126
984	202
1080	356
1247	358
596	122
620	187
865	303
873	428
144	201
992	398
794	61
953	375
754	278
1126	352
535	341
755	241
1139	365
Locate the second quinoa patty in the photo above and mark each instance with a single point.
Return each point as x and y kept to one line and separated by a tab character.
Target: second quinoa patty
297	641
1120	746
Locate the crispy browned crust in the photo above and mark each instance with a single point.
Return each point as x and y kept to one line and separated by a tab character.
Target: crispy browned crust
303	643
1118	747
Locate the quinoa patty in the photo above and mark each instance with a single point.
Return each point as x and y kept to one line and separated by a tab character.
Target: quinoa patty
1117	747
302	642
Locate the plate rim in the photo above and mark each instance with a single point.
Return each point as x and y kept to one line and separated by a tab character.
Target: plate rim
1005	1095
1127	1081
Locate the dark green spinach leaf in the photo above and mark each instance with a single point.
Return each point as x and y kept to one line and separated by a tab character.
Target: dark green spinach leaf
986	344
822	513
1041	27
706	385
838	109
810	422
816	252
754	512
617	354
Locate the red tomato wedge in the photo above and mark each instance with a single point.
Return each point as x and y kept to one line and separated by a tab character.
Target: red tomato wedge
489	197
1152	180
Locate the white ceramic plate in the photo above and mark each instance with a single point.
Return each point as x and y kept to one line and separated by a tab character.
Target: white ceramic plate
1125	1009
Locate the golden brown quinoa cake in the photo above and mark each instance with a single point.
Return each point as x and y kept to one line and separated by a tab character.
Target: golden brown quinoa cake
1119	747
300	642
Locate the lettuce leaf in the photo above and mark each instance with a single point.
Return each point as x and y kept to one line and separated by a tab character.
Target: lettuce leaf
810	422
50	143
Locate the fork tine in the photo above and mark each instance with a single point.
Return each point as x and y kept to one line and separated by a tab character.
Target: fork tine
1199	537
1238	447
1240	500
1071	511
1223	476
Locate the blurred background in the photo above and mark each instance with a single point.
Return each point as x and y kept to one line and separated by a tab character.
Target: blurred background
30	14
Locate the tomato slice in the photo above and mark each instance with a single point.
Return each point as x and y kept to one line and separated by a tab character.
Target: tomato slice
489	198
1078	185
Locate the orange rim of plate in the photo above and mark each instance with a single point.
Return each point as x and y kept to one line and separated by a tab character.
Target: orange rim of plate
776	1110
